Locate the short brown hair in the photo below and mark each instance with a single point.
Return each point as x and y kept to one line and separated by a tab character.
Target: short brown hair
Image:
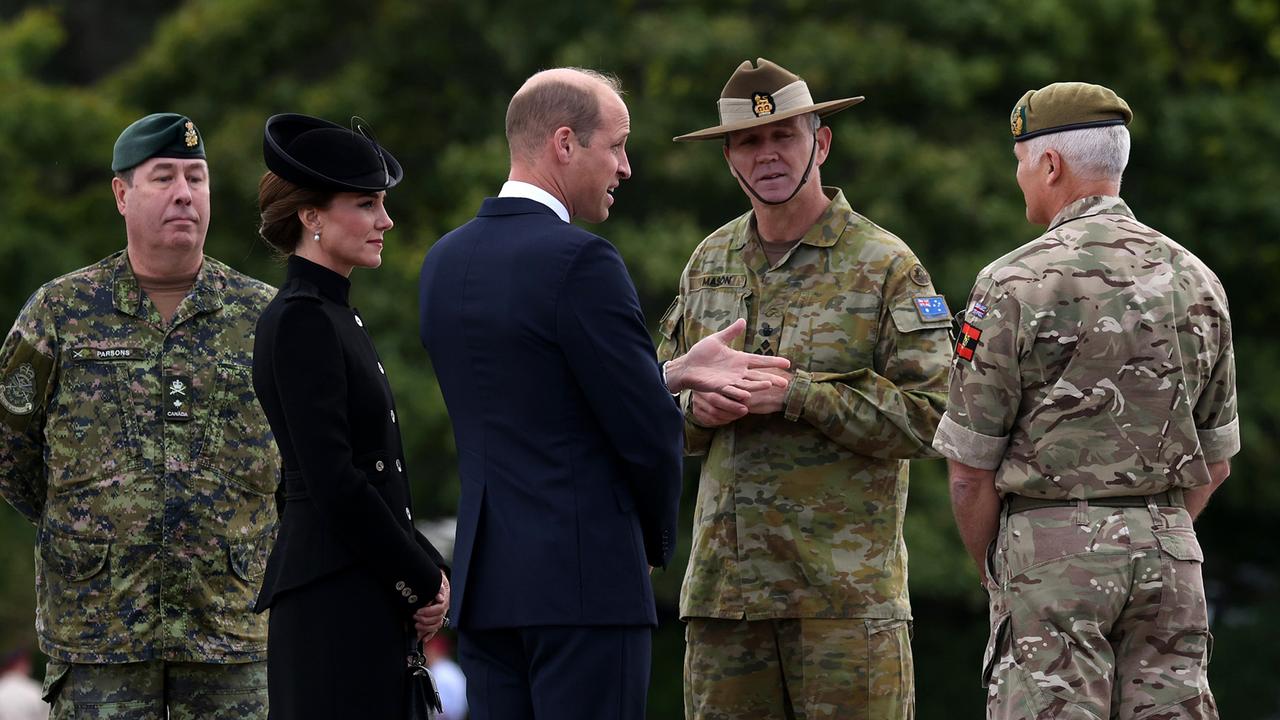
536	111
279	202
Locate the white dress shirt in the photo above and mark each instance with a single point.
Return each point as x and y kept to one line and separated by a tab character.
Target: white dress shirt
516	188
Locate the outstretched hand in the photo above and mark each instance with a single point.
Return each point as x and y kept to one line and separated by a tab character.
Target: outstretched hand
712	365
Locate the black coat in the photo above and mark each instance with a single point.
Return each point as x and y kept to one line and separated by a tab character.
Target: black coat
348	569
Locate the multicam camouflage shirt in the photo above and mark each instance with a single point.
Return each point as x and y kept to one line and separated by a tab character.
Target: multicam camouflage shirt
799	513
1094	361
139	451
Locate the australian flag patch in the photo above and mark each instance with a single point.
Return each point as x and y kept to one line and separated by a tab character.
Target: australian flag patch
932	307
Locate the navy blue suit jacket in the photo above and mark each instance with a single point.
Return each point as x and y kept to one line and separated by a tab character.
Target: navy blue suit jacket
569	446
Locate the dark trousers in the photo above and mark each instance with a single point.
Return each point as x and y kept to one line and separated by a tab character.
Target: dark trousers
556	673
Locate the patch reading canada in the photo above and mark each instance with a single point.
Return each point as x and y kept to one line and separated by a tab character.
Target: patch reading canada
177	398
18	392
968	342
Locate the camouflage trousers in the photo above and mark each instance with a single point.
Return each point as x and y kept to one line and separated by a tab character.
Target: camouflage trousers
156	690
1097	612
798	669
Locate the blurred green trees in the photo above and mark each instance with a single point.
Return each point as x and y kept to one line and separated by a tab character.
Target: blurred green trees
927	155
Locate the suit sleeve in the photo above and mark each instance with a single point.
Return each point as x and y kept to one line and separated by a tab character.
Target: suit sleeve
28	368
890	410
311	376
608	348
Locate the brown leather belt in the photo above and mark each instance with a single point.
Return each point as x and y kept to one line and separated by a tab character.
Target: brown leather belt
1021	503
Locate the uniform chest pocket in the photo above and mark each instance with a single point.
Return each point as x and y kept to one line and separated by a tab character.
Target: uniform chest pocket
830	333
709	310
238	445
91	427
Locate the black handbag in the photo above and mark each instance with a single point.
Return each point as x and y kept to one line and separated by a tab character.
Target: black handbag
422	701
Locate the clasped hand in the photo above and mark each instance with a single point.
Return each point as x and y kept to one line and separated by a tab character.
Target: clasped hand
428	620
729	383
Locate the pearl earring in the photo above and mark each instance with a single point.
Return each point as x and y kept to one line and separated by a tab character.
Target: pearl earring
316	237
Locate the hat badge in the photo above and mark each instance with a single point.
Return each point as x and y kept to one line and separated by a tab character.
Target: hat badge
1018	120
762	104
190	137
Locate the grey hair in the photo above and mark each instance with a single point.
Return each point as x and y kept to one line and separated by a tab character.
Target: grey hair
1096	153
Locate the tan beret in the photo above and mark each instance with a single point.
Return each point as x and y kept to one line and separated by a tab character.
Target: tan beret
1066	106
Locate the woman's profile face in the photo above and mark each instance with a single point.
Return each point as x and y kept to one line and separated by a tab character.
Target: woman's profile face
351	231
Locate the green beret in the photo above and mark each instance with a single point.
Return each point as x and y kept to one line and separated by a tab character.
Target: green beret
1066	106
157	135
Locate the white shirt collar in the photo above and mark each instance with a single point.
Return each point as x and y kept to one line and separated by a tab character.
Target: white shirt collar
516	188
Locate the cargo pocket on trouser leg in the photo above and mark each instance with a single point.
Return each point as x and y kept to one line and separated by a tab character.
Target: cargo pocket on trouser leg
55	676
1168	667
890	670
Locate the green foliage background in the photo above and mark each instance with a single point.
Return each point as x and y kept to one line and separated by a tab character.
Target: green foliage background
927	155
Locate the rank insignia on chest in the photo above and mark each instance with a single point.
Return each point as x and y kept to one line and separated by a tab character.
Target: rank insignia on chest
177	398
968	342
932	307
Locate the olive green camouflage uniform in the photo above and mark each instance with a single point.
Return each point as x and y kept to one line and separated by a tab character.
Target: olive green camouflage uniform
137	448
1097	364
799	514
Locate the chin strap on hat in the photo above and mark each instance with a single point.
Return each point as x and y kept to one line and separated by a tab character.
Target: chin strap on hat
359	125
804	179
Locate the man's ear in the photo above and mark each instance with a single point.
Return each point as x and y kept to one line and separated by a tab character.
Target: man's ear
564	142
1054	171
823	135
118	188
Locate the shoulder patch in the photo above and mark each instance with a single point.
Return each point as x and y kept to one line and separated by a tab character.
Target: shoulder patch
18	390
931	307
967	345
920	276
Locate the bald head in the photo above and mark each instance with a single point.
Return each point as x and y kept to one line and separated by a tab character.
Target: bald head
552	99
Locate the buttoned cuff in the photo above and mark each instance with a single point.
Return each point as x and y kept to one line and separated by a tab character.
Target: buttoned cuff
974	449
1220	443
797	391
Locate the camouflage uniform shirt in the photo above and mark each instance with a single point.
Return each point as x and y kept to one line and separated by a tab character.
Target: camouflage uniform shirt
1094	361
799	513
140	453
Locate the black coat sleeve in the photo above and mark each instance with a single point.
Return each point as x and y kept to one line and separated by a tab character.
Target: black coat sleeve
310	374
